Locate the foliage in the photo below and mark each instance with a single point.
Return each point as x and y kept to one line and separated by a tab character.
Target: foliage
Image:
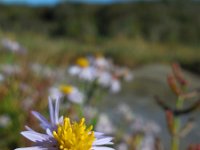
155	21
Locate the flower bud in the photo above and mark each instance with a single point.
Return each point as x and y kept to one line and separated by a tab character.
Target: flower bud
194	147
170	121
173	85
179	75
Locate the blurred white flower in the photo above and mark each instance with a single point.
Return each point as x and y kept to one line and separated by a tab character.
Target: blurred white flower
13	46
102	70
83	70
74	70
148	143
101	62
43	70
104	79
128	76
122	146
4	120
27	103
54	93
115	85
152	128
126	112
124	73
72	93
88	74
105	125
145	126
10	69
76	96
1	77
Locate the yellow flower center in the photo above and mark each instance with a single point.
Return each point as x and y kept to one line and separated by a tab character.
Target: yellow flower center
74	136
83	62
66	89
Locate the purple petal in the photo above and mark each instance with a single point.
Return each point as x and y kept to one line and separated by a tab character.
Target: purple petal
44	122
51	110
35	136
57	110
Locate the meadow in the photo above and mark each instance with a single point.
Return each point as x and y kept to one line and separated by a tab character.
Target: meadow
50	49
131	52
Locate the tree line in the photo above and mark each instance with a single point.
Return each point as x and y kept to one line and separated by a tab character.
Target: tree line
155	21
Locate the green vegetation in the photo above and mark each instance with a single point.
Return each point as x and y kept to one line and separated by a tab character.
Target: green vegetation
124	50
132	34
156	21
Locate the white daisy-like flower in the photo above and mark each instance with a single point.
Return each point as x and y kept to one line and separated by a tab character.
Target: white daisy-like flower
102	63
115	86
62	134
88	74
104	79
101	69
55	92
84	73
74	70
83	69
73	94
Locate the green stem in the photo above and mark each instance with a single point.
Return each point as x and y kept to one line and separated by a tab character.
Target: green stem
175	142
79	109
175	136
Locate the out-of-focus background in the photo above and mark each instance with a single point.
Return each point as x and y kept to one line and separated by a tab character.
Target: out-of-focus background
137	32
40	39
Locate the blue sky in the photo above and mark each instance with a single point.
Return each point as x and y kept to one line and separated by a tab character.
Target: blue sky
31	2
53	2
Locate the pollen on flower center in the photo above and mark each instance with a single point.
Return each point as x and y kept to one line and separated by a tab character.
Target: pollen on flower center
74	136
83	62
66	89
